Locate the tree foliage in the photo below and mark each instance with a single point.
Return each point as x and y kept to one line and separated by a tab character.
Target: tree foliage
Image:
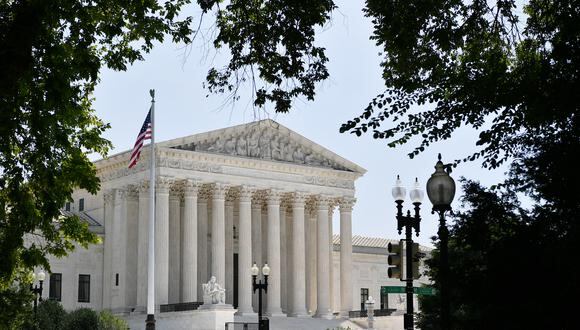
82	318
484	64
15	307
51	53
271	43
108	321
49	316
510	268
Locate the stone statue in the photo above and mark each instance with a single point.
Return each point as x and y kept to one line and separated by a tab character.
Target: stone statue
241	146
276	149
213	293
311	159
288	151
217	146
264	142
253	147
298	155
230	146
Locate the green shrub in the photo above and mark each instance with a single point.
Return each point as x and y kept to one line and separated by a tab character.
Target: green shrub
82	318
50	315
108	321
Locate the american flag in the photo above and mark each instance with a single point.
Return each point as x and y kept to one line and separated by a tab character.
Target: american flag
144	134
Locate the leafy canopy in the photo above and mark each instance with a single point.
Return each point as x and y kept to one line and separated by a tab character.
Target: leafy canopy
476	63
498	256
271	44
51	53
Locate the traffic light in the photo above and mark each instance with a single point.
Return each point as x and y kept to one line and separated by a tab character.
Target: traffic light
394	259
417	256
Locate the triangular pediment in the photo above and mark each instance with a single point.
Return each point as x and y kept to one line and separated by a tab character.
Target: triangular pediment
267	140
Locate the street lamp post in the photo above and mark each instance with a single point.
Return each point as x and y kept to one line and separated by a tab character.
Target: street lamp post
263	324
37	289
441	190
410	222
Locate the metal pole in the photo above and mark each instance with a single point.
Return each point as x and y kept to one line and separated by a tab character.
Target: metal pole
408	320
260	305
35	301
150	321
444	269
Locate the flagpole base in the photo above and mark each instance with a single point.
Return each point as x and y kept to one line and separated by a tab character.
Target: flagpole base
150	322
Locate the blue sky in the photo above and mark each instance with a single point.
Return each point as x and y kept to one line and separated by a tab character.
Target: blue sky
177	73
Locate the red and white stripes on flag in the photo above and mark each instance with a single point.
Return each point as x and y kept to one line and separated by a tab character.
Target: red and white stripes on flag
144	134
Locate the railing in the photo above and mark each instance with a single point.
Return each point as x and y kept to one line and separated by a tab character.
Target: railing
242	326
377	312
180	307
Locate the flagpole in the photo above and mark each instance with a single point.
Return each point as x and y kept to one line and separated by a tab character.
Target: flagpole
150	321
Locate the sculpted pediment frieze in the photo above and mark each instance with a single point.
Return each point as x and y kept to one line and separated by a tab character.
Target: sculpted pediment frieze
263	142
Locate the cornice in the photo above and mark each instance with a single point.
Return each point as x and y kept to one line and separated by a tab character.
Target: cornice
116	167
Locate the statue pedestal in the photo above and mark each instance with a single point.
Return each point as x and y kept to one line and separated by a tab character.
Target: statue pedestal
215	316
216	307
209	318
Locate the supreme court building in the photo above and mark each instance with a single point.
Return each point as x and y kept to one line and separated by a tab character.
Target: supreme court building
225	199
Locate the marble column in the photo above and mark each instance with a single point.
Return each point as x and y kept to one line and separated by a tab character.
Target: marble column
299	257
346	205
109	199
218	231
311	257
289	258
256	238
143	246
283	253
162	241
245	253
274	282
118	301
323	262
174	246
330	257
132	246
189	243
229	249
202	252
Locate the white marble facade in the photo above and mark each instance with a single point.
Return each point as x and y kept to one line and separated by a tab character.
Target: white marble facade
259	191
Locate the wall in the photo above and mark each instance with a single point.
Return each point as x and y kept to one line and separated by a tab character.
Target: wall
370	271
81	261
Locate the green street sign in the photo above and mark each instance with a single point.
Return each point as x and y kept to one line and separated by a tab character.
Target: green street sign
425	291
392	289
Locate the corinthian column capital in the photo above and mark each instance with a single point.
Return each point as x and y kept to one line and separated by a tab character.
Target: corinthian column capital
273	196
144	186
346	203
132	192
190	188
120	195
163	184
219	191
246	193
298	199
109	196
323	202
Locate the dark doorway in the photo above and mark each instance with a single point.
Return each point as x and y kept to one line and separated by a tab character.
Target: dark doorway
364	296
235	280
384	298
